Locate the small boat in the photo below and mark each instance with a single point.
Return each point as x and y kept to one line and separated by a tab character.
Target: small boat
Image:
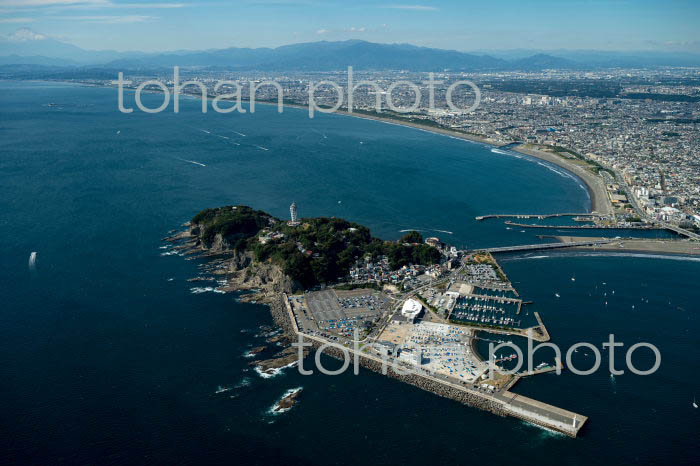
573	279
557	295
695	404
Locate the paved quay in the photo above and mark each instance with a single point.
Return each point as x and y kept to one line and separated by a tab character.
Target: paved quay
505	403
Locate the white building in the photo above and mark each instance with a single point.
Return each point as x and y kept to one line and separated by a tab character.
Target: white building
411	309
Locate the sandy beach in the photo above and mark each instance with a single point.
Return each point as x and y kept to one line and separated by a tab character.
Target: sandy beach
600	201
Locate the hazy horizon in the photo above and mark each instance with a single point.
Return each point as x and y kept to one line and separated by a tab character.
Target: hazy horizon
158	26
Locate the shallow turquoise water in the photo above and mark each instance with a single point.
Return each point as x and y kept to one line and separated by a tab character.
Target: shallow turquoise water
103	360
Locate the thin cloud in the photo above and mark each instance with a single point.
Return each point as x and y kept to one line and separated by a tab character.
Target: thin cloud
357	29
41	3
322	31
110	19
25	34
85	4
412	7
17	20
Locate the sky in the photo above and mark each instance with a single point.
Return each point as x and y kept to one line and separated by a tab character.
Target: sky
158	25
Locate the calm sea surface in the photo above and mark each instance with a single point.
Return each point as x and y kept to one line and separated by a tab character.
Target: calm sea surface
108	357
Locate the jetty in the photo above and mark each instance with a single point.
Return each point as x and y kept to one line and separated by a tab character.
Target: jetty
539	216
502	402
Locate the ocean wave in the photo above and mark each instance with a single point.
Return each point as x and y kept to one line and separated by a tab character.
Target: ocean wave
244	382
289	392
168	253
221	389
205	289
545	431
274	372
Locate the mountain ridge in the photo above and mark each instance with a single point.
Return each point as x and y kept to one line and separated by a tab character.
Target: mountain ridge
37	49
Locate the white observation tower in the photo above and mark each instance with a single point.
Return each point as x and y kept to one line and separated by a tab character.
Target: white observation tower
293	214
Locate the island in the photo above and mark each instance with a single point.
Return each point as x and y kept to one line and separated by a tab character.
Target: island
413	309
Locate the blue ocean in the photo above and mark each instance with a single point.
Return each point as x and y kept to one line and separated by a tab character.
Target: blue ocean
107	356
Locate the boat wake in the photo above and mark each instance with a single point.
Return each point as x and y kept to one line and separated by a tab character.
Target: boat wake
32	261
426	229
192	162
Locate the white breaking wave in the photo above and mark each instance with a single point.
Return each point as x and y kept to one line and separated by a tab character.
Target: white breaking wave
289	392
262	148
205	131
245	382
498	151
240	134
547	431
205	289
274	372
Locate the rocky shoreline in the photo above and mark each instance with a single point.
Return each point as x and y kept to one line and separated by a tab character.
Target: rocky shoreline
267	285
238	271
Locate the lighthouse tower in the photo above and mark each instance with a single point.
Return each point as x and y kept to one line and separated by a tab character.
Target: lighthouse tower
293	214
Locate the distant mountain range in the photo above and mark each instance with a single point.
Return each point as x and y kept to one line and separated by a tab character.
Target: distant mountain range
26	47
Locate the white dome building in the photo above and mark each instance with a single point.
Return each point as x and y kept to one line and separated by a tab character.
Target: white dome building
411	309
